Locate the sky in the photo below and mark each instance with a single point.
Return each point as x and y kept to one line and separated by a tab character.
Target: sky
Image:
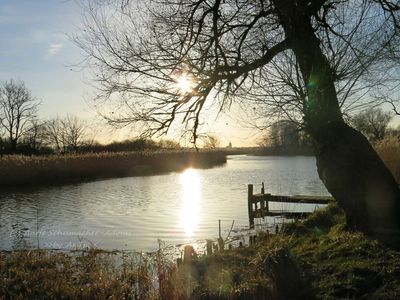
35	48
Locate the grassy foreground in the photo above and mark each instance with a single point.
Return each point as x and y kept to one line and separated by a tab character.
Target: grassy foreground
17	170
314	259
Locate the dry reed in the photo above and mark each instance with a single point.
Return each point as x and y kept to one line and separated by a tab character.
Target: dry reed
389	150
17	170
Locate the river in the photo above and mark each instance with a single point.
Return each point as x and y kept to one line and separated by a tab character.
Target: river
132	213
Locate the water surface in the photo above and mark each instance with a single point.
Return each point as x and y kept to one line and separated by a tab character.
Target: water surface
132	213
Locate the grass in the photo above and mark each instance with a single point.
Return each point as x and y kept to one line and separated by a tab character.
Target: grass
317	258
16	170
342	264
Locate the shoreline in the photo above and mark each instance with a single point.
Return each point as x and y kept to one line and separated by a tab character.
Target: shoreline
35	171
317	258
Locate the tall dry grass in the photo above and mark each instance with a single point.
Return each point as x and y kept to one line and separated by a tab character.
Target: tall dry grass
91	274
389	150
17	170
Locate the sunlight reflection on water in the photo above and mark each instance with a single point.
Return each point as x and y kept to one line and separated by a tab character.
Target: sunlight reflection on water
191	197
134	212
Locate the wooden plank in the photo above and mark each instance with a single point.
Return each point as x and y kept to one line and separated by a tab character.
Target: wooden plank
280	213
258	204
293	199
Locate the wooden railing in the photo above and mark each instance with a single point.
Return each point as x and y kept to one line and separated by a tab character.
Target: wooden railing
258	204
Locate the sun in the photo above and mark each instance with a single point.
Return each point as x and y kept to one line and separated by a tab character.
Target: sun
184	84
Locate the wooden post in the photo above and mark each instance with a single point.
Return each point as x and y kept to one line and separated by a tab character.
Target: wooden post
262	189
209	247
189	254
250	204
221	245
219	229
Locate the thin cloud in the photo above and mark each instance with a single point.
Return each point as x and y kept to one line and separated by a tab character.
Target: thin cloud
54	49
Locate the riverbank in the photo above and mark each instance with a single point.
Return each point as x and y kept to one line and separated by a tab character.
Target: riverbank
289	151
17	170
314	259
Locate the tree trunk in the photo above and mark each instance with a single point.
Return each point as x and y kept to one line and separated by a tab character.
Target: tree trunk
13	145
357	178
347	164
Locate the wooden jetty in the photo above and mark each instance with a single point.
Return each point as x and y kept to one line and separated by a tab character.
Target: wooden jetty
258	204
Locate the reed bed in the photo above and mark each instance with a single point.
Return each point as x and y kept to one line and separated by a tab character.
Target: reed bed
18	170
89	274
389	150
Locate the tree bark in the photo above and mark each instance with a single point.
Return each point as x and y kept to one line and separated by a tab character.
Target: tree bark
13	145
347	164
357	178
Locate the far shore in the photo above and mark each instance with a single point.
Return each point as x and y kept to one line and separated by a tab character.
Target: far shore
31	171
19	171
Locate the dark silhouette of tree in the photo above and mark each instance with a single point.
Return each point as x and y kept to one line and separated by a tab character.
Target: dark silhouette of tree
161	62
372	123
35	137
285	137
169	144
284	134
17	108
67	134
210	141
54	134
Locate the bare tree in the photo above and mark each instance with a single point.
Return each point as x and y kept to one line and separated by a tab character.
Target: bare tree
67	134
17	108
54	134
169	144
74	133
372	123
282	134
35	137
210	141
305	60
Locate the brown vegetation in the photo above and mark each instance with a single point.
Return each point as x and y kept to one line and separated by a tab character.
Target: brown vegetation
389	150
314	259
16	170
90	275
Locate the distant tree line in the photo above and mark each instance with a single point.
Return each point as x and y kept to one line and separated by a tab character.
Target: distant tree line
285	137
22	132
128	145
374	124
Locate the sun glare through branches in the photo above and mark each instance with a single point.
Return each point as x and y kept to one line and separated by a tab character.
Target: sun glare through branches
184	84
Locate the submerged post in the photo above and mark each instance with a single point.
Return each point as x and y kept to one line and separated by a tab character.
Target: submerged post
250	204
209	247
220	239
219	229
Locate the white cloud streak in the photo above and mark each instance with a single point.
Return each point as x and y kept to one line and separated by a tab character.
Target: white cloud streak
54	49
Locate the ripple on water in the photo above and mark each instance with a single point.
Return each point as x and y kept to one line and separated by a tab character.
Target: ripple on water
133	212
